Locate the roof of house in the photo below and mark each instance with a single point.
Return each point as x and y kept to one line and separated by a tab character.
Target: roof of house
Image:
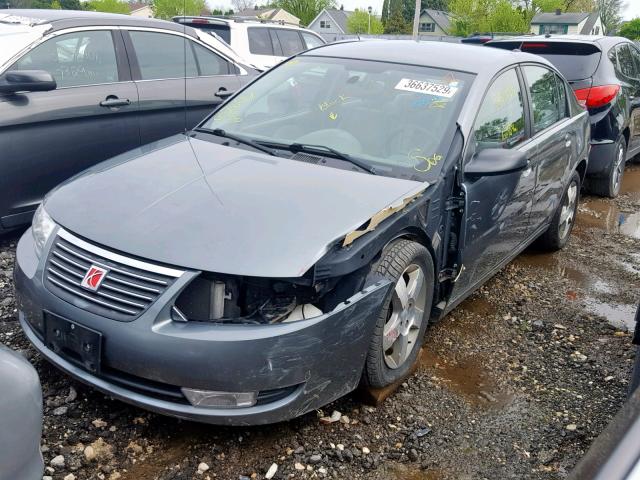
263	13
564	18
133	6
338	16
589	24
441	18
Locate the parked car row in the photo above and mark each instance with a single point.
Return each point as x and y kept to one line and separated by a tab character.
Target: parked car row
604	73
298	241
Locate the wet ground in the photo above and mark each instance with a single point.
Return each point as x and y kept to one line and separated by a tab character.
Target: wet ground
515	383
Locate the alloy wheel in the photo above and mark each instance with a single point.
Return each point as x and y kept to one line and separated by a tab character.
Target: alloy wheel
618	171
406	314
567	214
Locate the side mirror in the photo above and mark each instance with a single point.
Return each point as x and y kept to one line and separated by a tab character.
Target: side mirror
496	161
27	81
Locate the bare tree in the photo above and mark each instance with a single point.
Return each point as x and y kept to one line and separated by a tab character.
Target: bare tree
239	5
610	13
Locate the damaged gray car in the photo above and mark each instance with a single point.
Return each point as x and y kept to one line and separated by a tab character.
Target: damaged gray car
297	243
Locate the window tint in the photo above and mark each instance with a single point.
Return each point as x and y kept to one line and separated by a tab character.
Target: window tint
289	41
259	41
311	40
544	94
81	58
161	55
576	61
625	62
500	122
209	62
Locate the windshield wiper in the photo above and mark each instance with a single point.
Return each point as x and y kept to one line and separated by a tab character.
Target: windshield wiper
218	132
323	150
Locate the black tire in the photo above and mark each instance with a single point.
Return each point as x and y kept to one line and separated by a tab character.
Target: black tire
609	186
556	237
395	259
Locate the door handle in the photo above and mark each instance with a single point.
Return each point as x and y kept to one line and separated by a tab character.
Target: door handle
112	102
224	93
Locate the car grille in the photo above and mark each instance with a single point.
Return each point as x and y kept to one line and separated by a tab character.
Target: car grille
128	289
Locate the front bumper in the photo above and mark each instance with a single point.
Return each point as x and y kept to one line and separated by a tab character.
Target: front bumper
146	361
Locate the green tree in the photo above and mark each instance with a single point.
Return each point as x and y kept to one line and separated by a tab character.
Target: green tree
171	8
610	14
631	29
305	10
385	12
358	22
109	6
396	22
471	16
442	5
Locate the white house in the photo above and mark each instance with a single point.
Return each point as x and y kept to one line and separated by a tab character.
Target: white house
434	22
567	23
330	21
273	14
141	10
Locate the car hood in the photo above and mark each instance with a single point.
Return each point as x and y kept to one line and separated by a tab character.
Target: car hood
200	205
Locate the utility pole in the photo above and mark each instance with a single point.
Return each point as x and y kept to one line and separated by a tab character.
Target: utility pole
416	20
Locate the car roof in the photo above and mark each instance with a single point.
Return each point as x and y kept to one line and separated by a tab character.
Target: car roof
59	19
446	55
249	22
601	40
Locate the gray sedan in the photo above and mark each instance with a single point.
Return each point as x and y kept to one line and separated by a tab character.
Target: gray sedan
299	240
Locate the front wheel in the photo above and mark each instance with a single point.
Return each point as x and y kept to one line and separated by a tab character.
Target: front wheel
399	331
557	235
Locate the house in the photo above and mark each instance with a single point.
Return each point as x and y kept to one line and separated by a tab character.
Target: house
434	22
563	23
330	21
272	14
143	10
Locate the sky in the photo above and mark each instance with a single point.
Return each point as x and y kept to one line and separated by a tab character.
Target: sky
631	10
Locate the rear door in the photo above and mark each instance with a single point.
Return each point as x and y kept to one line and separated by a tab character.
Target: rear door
629	66
553	135
47	137
179	81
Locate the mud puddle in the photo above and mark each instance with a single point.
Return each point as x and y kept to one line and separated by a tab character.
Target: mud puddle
631	182
467	378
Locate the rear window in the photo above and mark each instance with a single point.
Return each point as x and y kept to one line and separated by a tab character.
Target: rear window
223	31
576	61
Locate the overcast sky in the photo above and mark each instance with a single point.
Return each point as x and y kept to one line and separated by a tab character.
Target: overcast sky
632	9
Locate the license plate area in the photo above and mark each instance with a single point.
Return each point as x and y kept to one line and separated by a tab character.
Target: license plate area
74	342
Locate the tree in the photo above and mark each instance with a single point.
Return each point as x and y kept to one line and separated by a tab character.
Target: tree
631	29
610	13
358	22
240	5
305	10
171	8
385	12
109	6
471	16
435	5
397	24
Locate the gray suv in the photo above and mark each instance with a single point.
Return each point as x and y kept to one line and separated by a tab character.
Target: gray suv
77	88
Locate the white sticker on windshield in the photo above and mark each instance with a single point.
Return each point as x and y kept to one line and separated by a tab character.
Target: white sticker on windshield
429	88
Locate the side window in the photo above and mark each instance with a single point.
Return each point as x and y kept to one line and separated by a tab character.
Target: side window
162	55
260	41
500	121
544	94
311	40
210	63
625	61
563	108
75	59
290	41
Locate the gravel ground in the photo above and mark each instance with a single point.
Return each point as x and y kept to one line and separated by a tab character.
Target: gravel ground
515	383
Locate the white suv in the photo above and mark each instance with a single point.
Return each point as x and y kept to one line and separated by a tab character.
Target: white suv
261	44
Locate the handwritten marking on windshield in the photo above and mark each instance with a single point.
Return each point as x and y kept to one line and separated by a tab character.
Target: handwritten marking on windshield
423	163
333	116
323	106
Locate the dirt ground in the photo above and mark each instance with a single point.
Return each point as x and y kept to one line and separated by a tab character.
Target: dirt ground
515	383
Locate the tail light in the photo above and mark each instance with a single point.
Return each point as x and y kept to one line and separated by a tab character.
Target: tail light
597	96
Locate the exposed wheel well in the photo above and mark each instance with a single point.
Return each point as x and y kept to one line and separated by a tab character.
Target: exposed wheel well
582	169
626	133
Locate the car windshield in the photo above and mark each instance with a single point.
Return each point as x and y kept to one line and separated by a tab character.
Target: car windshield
14	38
397	119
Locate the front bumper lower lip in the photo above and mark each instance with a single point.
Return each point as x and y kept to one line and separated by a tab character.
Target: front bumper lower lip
316	361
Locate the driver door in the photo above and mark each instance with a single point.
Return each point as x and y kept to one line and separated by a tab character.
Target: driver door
498	206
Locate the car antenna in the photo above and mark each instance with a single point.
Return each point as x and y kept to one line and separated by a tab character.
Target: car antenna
184	57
